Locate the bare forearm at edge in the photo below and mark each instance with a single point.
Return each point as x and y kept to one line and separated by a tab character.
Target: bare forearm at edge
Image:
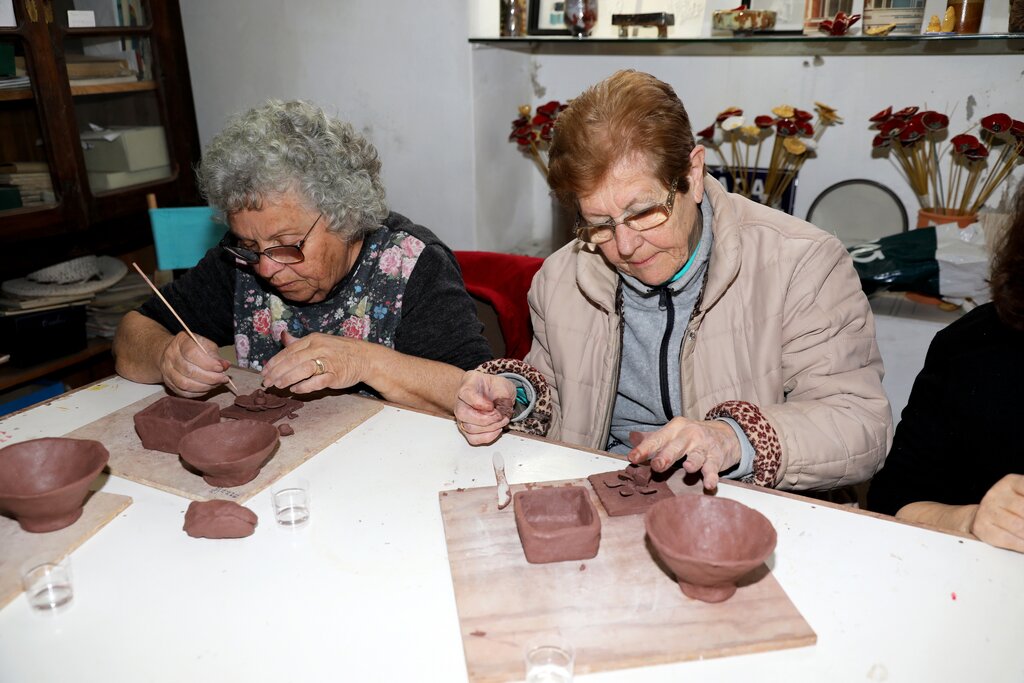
952	517
138	345
414	382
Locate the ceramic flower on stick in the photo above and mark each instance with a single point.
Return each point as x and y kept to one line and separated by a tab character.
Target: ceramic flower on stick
976	164
795	137
533	133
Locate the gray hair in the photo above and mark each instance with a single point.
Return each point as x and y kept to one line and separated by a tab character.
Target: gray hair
284	146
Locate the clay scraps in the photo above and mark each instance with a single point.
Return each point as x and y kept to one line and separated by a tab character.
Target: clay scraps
633	479
261	406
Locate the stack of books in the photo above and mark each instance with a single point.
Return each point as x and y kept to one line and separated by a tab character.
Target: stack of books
31	179
107	307
89	69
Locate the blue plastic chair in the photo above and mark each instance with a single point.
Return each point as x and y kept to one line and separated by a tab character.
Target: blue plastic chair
182	235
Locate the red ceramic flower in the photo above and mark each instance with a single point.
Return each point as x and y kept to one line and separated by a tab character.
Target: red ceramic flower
963	142
933	120
708	133
882	116
764	121
997	123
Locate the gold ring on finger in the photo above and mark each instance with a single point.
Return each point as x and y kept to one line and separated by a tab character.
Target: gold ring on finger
320	367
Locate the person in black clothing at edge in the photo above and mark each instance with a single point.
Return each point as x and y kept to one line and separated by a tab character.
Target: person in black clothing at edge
957	458
316	284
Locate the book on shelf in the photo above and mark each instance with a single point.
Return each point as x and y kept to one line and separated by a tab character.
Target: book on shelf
24	167
85	66
80	82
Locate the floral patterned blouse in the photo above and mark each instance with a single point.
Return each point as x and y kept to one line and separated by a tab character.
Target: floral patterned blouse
405	291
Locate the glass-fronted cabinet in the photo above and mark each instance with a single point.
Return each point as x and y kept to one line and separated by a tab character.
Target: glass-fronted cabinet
95	113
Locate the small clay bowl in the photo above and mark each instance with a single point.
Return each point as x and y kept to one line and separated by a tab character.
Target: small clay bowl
161	425
709	543
229	453
557	524
43	482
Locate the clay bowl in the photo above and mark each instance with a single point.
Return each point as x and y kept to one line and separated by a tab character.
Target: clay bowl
743	20
161	425
557	524
709	543
43	482
229	453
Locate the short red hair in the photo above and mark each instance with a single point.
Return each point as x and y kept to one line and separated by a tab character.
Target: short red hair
629	113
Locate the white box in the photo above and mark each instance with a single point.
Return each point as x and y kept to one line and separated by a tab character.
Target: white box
115	150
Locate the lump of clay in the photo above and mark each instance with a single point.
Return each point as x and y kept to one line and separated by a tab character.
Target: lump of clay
557	524
162	425
261	406
285	430
505	406
219	519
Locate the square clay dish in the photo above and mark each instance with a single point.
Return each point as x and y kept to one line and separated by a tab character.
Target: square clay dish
557	524
162	425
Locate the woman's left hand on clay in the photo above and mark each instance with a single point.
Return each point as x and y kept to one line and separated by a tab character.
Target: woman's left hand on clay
316	361
710	446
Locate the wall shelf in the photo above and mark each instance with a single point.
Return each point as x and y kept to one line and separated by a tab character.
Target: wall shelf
766	44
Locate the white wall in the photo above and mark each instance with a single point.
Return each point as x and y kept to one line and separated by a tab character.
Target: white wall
399	71
439	110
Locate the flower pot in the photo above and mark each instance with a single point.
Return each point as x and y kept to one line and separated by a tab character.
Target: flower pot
930	217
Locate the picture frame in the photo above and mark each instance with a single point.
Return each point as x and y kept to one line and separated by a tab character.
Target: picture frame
546	18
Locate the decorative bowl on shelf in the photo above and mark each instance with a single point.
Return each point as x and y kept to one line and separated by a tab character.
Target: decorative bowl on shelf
44	482
743	20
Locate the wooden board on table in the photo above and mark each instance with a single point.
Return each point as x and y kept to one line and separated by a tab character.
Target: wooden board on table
619	609
18	547
321	421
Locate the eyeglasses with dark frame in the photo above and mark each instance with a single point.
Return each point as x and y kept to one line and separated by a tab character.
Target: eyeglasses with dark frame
648	219
286	254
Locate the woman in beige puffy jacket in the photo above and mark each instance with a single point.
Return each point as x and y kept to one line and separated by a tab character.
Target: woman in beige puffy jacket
685	322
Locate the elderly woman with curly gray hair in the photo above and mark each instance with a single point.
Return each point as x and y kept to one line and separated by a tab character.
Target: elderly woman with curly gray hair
317	284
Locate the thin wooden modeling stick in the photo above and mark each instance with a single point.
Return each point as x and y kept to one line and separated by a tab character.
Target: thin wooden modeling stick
178	318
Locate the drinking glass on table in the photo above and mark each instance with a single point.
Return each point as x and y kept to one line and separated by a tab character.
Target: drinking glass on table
290	498
47	583
549	660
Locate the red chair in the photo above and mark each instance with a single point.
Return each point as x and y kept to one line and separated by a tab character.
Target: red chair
502	280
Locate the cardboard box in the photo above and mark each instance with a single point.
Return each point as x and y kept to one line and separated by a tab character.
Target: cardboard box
119	150
101	182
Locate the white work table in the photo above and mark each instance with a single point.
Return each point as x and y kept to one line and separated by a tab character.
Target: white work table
364	593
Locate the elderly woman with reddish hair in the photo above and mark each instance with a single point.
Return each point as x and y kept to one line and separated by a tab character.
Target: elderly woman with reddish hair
684	322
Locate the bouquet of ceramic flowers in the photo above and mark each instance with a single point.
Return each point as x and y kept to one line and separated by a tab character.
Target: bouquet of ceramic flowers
533	133
795	136
912	138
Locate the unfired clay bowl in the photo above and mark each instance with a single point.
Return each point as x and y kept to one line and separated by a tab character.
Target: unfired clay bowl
43	482
557	524
161	425
709	543
229	453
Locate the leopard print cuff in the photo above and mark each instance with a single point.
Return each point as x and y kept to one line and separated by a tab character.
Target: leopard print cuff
760	433
540	419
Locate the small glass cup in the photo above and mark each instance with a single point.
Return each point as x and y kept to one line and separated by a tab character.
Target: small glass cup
549	660
47	585
291	502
